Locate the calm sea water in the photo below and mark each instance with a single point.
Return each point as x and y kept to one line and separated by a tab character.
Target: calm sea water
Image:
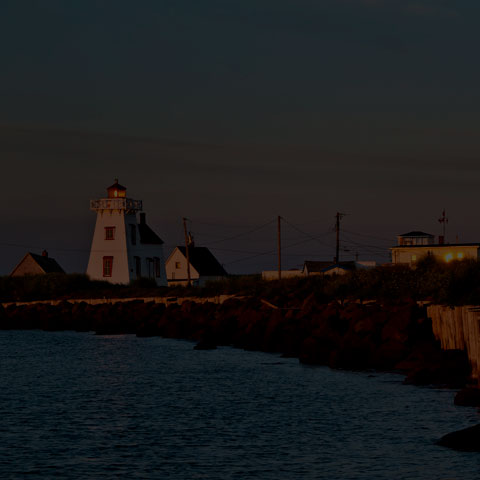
82	406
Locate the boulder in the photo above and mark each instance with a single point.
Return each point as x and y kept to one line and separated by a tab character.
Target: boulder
467	440
468	397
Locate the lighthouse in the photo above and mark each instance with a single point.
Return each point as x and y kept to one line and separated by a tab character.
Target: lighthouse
123	247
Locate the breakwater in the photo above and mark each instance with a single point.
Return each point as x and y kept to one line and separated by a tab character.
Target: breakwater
458	328
350	335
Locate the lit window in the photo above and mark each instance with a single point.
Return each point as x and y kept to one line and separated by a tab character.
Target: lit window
107	266
414	258
448	257
177	265
109	233
460	255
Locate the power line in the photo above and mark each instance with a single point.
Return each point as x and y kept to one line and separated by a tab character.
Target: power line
368	236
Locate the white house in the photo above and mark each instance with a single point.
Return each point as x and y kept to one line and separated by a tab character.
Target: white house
124	249
203	266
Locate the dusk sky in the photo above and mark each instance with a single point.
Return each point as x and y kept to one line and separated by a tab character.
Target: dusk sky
232	112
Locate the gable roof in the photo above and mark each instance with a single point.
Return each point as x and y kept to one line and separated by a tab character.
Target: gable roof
314	266
148	236
204	262
47	264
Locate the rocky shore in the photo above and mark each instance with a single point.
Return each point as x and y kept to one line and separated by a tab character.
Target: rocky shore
355	336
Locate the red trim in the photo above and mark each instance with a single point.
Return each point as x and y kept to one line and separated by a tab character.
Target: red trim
112	230
107	266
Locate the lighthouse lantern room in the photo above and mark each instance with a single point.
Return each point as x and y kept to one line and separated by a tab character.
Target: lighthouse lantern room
124	249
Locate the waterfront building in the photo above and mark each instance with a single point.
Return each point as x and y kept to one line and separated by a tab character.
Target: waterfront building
412	246
123	248
204	266
33	264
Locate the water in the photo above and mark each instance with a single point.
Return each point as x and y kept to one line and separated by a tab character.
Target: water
80	406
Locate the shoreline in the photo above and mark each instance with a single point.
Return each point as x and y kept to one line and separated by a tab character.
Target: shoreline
350	335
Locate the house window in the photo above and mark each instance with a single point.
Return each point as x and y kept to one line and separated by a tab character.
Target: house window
177	265
109	233
150	267
107	266
414	258
133	234
138	267
156	263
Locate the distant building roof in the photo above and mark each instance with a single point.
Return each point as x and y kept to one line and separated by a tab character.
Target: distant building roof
438	245
317	267
320	267
416	233
204	262
32	264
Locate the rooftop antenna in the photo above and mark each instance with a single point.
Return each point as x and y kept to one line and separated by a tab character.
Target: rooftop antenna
443	220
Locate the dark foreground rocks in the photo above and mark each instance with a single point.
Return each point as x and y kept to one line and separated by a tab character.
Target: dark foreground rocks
354	336
467	440
468	397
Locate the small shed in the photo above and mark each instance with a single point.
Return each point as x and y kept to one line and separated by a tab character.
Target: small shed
33	264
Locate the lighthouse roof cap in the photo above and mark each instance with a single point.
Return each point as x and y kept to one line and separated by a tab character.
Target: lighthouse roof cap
117	186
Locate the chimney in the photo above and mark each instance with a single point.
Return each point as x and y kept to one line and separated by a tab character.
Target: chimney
142	218
44	253
441	239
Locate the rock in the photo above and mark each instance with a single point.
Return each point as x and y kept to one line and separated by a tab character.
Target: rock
467	440
205	345
452	370
468	397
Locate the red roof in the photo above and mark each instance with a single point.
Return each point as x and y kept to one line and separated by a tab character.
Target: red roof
116	186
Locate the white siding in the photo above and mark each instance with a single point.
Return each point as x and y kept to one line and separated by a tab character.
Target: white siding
176	267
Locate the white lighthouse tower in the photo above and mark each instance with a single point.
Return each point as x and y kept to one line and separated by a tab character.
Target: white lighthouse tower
124	249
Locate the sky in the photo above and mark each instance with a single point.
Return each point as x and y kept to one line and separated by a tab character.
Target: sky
233	112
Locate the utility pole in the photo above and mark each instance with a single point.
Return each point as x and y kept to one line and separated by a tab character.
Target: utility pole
187	249
279	247
338	217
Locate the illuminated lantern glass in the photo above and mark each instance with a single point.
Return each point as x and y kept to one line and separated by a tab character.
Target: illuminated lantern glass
448	257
